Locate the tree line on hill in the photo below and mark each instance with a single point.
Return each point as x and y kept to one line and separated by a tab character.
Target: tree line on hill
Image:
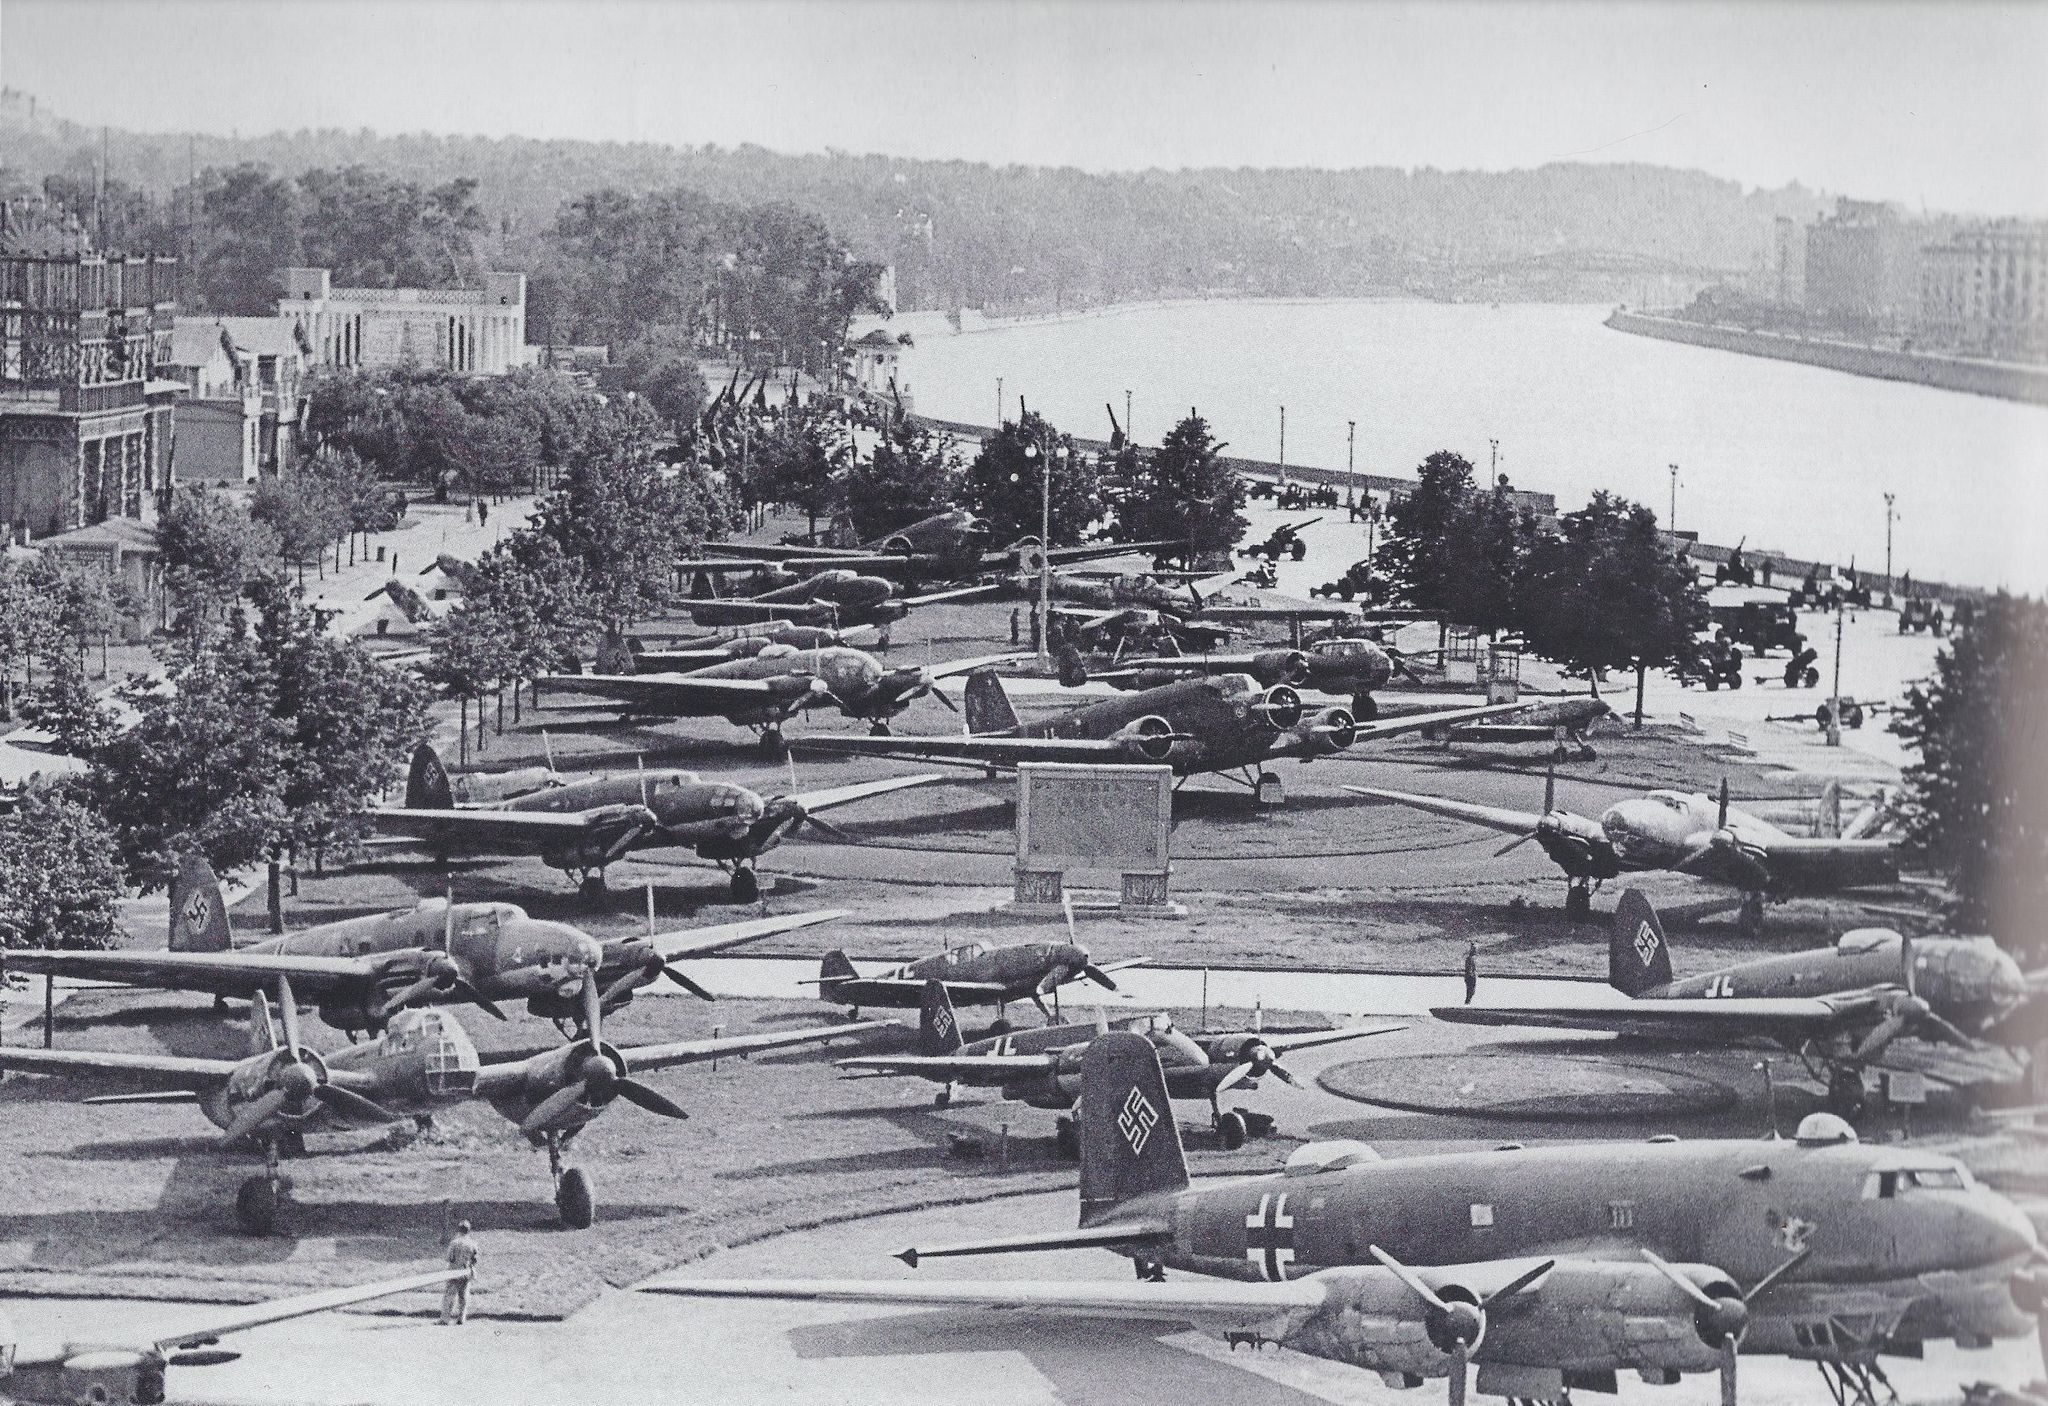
967	234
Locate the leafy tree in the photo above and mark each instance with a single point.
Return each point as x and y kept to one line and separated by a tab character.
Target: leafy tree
28	625
204	766
60	869
64	705
1606	593
1005	483
305	512
1976	802
210	548
1184	491
801	460
912	474
1456	548
661	372
251	222
344	719
624	520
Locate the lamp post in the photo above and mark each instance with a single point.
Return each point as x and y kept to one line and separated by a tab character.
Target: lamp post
1283	446
1130	435
999	403
1835	700
1671	518
1493	462
1890	516
1045	454
1350	464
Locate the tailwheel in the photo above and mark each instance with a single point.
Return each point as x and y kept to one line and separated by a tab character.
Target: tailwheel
590	883
878	728
1845	1093
1230	1131
575	1199
1364	707
746	887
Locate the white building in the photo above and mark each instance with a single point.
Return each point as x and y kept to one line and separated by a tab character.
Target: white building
469	330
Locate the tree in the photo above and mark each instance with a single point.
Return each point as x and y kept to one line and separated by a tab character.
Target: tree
251	223
801	460
64	705
204	766
624	520
1976	801
911	475
305	513
1455	548
1184	492
1005	483
1606	593
60	870
661	372
210	548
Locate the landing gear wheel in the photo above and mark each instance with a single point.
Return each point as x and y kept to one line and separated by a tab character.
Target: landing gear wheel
591	885
1810	679
291	1144
1230	1131
575	1201
1585	753
256	1207
1560	753
745	886
1750	921
1364	707
1578	902
942	1098
878	729
1066	1138
771	744
1713	682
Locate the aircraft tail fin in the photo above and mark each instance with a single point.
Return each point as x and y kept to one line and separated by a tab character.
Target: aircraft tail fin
615	656
1130	1141
1638	955
263	1037
199	910
987	705
703	587
426	781
938	1028
1827	817
833	969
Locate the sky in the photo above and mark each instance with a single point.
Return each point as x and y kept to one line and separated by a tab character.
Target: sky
1939	104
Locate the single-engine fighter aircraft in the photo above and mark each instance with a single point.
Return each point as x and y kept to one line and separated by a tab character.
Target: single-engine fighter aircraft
950	546
1678	831
1838	1008
423	1061
1042	1066
1562	722
125	1366
1223	724
685	652
833	598
581	827
975	974
360	971
765	691
1548	1268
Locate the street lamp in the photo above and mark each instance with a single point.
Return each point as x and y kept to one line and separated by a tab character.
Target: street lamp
1130	435
1890	516
1045	457
1493	465
1671	521
999	402
1283	446
1350	465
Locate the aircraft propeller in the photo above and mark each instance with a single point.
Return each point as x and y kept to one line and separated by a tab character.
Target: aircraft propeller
297	1079
1909	1009
600	1073
1719	1320
1256	1061
442	973
1549	806
652	970
1454	1325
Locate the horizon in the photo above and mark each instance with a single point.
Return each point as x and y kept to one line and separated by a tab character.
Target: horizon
1724	89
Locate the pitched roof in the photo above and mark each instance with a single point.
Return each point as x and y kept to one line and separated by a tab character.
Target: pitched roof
123	532
194	341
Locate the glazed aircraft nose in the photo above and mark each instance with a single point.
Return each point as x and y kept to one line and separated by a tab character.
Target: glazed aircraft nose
1995	1229
746	806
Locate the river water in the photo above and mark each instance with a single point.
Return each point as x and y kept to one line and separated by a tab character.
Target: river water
1795	458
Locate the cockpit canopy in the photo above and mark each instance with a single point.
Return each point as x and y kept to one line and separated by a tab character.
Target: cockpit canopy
1340	649
1823	1130
1889	1184
1331	1156
967	952
1859	940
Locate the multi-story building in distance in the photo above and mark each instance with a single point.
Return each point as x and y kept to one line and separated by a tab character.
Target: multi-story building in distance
1985	289
480	331
1862	267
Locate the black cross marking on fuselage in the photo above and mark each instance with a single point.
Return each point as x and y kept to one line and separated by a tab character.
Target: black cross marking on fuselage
1269	1237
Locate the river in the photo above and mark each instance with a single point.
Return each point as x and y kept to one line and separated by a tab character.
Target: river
1795	458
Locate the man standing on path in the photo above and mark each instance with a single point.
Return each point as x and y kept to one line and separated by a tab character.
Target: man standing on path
461	1255
1471	976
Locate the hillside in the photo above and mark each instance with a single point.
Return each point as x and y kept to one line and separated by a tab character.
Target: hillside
966	234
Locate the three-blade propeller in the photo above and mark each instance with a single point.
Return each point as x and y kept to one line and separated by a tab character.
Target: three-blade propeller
296	1082
1456	1326
599	1075
1719	1320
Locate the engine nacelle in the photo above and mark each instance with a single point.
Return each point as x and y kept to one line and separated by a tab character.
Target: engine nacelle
1321	734
1271	666
1280	707
1151	737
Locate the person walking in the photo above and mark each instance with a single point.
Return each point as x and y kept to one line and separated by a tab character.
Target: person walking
1471	971
1016	623
483	513
462	1254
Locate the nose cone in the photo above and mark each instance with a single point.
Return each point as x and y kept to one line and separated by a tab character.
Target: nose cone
2008	982
1072	957
1994	1229
746	805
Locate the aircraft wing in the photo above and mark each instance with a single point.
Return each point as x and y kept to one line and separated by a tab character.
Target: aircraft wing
904	983
681	694
1309	1039
220	973
698	942
815	801
780	552
158	1071
1210	1303
957	593
762	609
1675	1017
510	829
954	667
950	1067
1101	550
1443	717
236	1320
1511	822
697	1051
973	751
